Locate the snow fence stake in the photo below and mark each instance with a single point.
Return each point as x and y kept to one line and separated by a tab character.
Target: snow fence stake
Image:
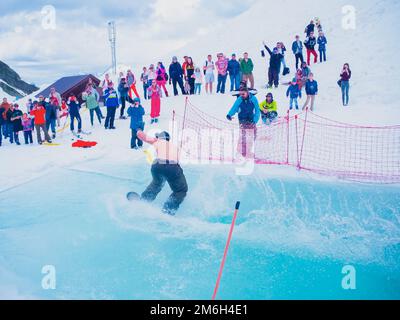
221	269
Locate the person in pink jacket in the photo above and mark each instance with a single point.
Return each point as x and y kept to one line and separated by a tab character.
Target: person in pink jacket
162	77
154	93
222	67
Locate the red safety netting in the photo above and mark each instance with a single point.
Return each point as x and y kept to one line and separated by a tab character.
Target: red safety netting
306	141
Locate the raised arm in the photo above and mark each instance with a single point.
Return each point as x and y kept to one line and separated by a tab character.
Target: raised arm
142	136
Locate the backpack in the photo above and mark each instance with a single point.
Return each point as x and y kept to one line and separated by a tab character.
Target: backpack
286	71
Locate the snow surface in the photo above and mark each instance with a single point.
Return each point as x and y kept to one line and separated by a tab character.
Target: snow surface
371	49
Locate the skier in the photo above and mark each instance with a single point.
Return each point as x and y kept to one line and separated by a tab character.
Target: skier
269	109
248	110
123	91
176	75
111	102
73	108
136	112
154	93
311	91
162	77
322	42
345	76
297	48
310	43
274	66
39	112
234	73
165	168
294	92
222	67
209	68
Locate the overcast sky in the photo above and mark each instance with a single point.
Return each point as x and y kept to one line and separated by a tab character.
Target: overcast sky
79	43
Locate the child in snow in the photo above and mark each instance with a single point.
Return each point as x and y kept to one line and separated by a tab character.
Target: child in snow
155	94
27	128
311	91
322	42
74	106
198	80
186	87
294	92
64	109
136	112
269	109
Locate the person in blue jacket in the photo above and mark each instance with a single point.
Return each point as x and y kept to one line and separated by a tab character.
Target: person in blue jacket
294	92
248	110
297	48
111	102
136	112
73	109
234	73
311	91
322	42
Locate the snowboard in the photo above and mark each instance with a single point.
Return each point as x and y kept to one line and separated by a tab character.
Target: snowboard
133	196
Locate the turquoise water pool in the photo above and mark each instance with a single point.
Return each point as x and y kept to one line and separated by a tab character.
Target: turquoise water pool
291	241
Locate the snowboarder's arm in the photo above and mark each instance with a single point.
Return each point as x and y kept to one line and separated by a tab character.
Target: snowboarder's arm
235	108
142	136
287	91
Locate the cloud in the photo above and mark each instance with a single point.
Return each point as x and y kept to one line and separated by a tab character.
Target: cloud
79	42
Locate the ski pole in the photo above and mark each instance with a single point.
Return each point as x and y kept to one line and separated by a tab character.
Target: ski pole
226	249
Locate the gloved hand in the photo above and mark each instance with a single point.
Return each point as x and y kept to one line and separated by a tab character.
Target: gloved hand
229	117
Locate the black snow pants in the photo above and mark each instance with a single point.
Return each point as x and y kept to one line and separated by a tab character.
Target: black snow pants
173	174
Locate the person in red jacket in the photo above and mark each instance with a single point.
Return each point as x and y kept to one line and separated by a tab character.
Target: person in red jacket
39	112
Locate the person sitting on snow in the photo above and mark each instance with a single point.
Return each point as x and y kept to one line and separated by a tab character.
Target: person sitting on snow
269	109
165	168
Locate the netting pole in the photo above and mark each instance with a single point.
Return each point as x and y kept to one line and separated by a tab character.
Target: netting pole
228	242
184	120
302	142
297	139
288	138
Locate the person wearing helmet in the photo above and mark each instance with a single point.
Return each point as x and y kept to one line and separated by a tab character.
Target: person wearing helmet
136	113
269	109
165	168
